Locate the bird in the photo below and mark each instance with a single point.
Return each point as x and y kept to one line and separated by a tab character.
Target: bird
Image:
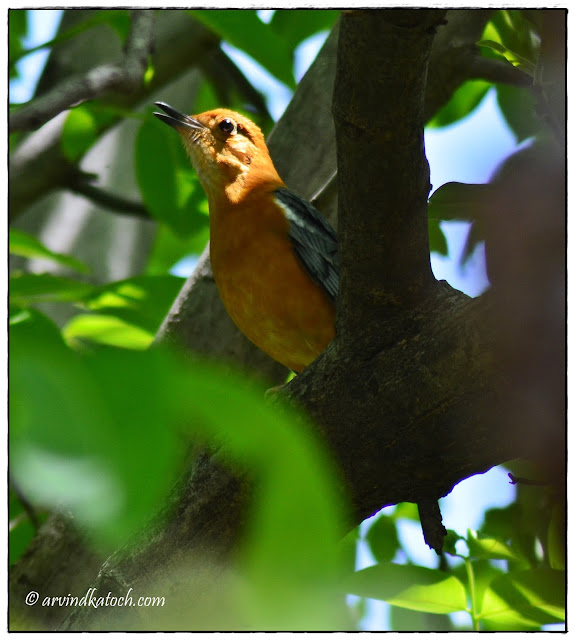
274	255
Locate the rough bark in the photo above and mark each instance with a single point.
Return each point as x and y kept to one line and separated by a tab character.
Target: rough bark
406	395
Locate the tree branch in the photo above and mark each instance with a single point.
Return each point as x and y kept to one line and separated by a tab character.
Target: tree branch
385	195
109	201
38	166
124	77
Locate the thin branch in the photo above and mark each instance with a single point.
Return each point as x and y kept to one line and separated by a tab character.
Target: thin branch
109	201
494	70
125	76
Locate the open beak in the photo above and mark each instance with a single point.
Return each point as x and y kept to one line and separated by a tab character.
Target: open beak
176	119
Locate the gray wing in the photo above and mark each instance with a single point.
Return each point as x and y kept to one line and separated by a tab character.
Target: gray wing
314	240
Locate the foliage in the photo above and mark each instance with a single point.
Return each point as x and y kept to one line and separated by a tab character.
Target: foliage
87	398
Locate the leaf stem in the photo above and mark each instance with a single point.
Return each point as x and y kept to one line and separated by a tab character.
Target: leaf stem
472	594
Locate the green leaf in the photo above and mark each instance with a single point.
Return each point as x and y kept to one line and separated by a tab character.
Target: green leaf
458	201
294	26
518	107
482	547
104	435
405	620
244	30
104	329
79	133
407	510
17	30
556	538
524	599
382	538
516	33
170	189
29	288
514	58
437	241
143	301
450	541
168	248
474	237
25	245
462	103
416	588
121	22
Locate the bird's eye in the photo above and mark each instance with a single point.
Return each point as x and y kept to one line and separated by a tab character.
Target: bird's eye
227	126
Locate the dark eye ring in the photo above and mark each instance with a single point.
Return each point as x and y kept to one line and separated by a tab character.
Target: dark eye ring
227	126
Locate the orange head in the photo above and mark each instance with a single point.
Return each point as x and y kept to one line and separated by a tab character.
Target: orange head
227	150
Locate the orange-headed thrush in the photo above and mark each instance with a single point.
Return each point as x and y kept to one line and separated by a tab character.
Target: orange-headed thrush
274	256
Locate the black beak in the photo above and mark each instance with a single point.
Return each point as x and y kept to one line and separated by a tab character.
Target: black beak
176	119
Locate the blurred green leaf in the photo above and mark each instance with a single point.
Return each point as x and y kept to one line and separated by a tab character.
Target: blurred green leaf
482	547
408	620
518	107
21	529
168	248
462	103
437	241
512	29
450	541
121	23
382	538
524	599
416	588
106	329
348	551
484	572
511	56
102	434
25	245
294	26
475	236
556	538
169	187
79	133
244	30
17	30
143	301
31	288
407	510
458	201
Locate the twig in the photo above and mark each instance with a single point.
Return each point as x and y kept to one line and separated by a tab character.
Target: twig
109	201
494	70
125	76
431	524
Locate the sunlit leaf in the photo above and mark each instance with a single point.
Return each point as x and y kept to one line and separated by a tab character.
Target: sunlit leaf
416	588
482	547
525	599
106	329
142	301
31	288
25	245
511	56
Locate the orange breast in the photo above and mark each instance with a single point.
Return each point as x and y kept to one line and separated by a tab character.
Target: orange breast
266	291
